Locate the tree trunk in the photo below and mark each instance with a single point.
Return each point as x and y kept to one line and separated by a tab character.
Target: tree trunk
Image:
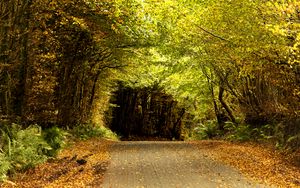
224	105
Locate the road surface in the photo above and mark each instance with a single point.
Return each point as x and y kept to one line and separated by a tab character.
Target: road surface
153	164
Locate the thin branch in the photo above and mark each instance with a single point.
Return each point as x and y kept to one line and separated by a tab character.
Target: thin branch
212	34
135	46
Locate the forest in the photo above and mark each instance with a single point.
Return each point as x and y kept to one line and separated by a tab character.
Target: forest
178	69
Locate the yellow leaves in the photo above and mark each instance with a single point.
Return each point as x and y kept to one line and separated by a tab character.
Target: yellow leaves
53	4
277	29
80	22
48	56
120	21
45	33
296	92
258	162
66	172
113	27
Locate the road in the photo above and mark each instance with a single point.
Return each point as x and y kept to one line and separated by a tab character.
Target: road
153	164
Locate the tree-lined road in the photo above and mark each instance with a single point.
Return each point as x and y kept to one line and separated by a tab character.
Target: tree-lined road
168	164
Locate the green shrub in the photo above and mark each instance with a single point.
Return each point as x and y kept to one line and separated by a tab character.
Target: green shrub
287	134
238	132
265	132
293	141
86	131
27	149
4	167
56	138
244	132
89	131
21	148
9	131
107	133
206	131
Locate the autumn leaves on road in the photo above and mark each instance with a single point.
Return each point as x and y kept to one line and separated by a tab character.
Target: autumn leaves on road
167	164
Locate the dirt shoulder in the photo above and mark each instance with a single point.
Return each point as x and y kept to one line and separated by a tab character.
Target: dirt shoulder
81	165
257	162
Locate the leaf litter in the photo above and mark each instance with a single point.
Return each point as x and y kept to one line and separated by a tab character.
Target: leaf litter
83	164
258	162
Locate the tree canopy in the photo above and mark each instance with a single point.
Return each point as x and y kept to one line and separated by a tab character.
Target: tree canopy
236	60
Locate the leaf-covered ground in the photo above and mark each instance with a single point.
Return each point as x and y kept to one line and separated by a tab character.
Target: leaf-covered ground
259	162
81	165
85	162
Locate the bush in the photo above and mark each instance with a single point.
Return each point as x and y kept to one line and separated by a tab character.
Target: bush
265	132
293	142
4	167
89	131
56	138
206	131
238	132
107	133
287	134
22	149
244	132
9	131
27	149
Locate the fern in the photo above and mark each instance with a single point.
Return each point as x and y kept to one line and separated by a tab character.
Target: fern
56	138
293	141
240	132
4	167
206	131
11	130
27	149
23	149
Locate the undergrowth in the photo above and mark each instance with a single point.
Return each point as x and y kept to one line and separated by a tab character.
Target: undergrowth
87	131
24	148
284	136
21	149
56	138
232	131
206	130
244	132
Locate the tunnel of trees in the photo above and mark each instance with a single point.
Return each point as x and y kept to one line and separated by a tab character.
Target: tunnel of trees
175	69
234	64
146	112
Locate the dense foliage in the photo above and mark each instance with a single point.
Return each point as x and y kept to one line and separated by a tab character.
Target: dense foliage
230	61
21	149
87	131
52	55
234	61
24	148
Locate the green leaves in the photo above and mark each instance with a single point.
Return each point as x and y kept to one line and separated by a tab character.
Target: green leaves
248	48
21	150
87	131
5	167
56	138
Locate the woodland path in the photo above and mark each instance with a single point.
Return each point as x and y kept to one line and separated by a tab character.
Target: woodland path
168	164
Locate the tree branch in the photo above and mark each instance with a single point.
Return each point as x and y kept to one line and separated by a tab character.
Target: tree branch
212	34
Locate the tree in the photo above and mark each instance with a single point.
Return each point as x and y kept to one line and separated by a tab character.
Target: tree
53	56
14	55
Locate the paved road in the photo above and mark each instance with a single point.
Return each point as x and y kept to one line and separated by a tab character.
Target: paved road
151	164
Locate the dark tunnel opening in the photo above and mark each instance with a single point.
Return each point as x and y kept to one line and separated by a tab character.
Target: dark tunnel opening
145	113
